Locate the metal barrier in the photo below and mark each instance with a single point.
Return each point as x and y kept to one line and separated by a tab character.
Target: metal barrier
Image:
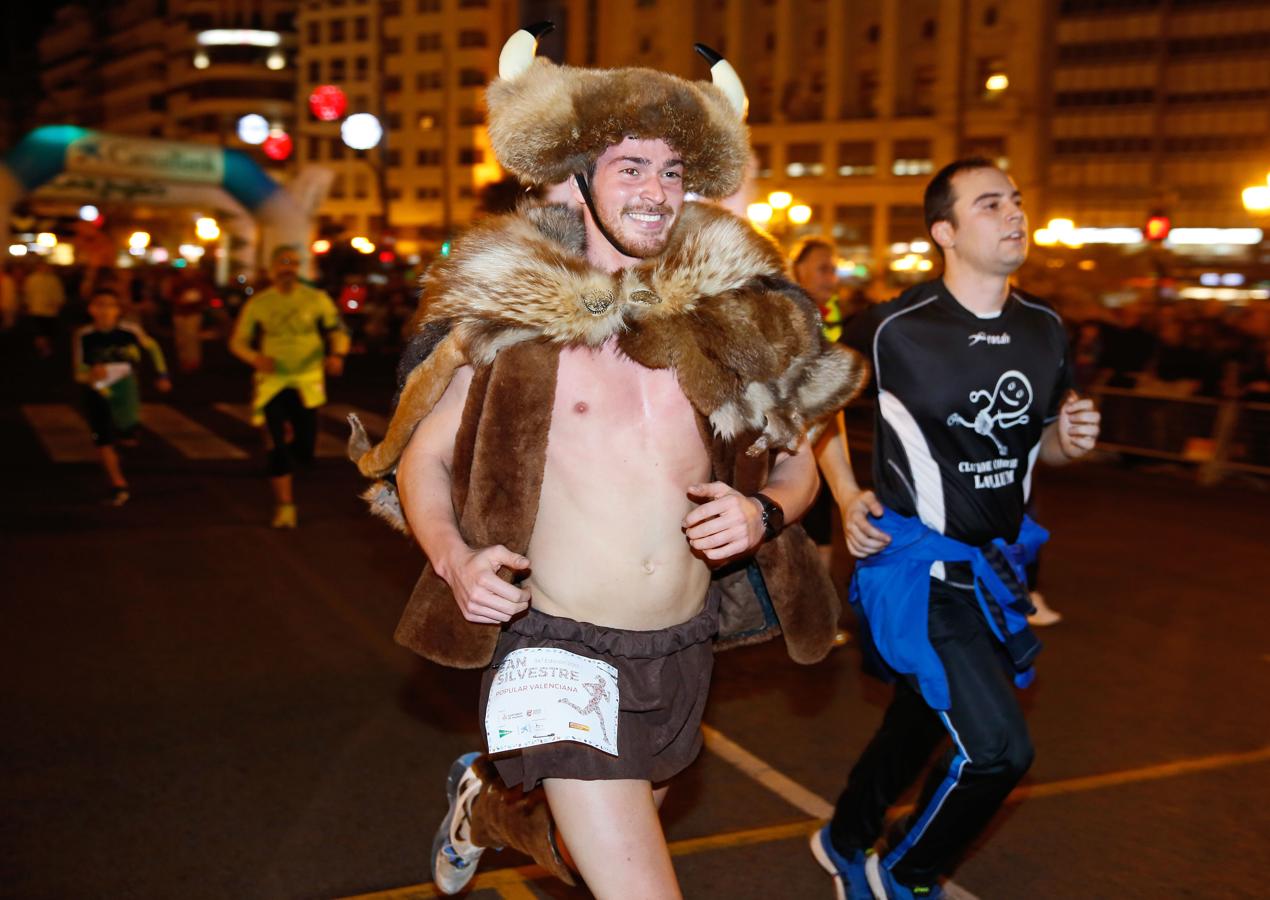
1217	436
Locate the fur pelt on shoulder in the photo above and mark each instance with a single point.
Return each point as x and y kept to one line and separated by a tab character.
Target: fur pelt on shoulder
744	342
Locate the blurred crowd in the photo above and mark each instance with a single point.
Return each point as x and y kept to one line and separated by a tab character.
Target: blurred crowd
1183	348
186	308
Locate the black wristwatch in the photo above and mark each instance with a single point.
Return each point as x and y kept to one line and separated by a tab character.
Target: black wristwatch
773	516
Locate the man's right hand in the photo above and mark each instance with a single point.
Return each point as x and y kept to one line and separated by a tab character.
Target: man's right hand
263	363
481	595
863	537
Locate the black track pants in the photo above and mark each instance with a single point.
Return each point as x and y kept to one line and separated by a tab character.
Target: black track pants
990	750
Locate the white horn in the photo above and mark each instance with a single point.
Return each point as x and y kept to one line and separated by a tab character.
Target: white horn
725	78
519	51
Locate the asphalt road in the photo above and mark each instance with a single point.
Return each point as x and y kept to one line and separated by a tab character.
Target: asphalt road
195	705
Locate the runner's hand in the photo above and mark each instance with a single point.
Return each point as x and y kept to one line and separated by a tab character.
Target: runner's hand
1078	426
264	363
726	524
334	365
481	594
164	384
863	537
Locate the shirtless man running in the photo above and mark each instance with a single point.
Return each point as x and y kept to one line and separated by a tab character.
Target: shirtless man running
631	520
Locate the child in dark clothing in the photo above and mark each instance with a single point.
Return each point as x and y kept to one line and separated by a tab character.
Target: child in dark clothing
107	355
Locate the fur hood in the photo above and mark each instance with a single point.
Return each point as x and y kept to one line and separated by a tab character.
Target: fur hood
745	343
551	122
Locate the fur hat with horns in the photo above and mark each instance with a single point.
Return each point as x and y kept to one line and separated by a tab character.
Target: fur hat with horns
548	123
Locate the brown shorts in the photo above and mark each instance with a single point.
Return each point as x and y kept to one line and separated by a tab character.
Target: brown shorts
663	678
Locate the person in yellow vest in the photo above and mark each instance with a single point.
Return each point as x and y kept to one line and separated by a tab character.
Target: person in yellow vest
813	265
292	336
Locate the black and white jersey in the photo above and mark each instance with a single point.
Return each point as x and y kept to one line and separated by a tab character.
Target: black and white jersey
961	403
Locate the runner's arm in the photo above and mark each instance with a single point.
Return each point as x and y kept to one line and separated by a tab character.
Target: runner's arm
833	453
424	482
240	342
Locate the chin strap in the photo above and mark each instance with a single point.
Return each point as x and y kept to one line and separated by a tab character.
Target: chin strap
585	189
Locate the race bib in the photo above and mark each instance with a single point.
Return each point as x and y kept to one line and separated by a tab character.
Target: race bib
541	695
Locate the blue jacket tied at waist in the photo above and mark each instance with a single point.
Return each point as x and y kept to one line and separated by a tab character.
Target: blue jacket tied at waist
891	589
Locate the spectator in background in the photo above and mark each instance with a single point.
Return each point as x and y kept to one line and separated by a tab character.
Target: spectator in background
1128	348
42	299
189	296
9	306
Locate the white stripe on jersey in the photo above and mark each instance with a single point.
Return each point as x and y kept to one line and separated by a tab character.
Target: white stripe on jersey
926	478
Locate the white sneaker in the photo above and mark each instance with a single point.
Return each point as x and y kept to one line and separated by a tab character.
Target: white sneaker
454	856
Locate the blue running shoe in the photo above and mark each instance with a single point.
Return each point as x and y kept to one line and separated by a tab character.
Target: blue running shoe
885	887
454	856
848	871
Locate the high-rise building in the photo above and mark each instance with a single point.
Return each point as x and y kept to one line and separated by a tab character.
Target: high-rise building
181	69
853	103
420	66
1157	104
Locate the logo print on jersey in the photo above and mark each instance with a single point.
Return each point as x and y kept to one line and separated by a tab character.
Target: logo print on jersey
982	337
1005	406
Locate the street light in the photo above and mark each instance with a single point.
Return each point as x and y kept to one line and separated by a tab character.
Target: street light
207	229
799	214
759	213
780	199
1257	198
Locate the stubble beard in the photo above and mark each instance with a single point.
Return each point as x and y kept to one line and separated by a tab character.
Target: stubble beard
638	246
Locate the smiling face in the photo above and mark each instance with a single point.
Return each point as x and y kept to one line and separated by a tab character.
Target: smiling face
1014	393
638	192
987	232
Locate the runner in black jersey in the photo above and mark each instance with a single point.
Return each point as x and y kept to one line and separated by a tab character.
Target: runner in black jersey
973	387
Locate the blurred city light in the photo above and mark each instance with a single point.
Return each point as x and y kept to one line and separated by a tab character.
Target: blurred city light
1257	198
328	102
998	81
89	213
759	213
920	246
193	252
321	246
361	131
253	129
139	240
17	249
278	145
238	37
362	244
207	229
202	60
780	199
46	239
800	214
159	255
276	61
1215	236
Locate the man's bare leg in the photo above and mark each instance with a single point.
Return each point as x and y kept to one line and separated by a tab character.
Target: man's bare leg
614	837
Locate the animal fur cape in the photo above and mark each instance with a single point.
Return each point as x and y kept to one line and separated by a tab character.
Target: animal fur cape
745	344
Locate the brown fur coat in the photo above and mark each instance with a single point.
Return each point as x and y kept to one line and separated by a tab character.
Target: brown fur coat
744	342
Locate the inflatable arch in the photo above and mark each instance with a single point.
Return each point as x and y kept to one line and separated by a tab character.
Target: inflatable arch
284	215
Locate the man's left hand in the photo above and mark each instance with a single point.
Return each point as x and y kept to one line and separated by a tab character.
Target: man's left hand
726	524
1078	426
335	365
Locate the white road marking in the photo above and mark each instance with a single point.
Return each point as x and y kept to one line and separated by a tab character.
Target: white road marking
328	445
62	430
189	437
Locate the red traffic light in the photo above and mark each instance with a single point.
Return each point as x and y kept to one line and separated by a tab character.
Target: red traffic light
387	256
1158	227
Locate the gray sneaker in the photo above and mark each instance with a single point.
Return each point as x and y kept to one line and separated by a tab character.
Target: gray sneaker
454	856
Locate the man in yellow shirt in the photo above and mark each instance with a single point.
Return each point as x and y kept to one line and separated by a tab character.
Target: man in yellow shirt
291	334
